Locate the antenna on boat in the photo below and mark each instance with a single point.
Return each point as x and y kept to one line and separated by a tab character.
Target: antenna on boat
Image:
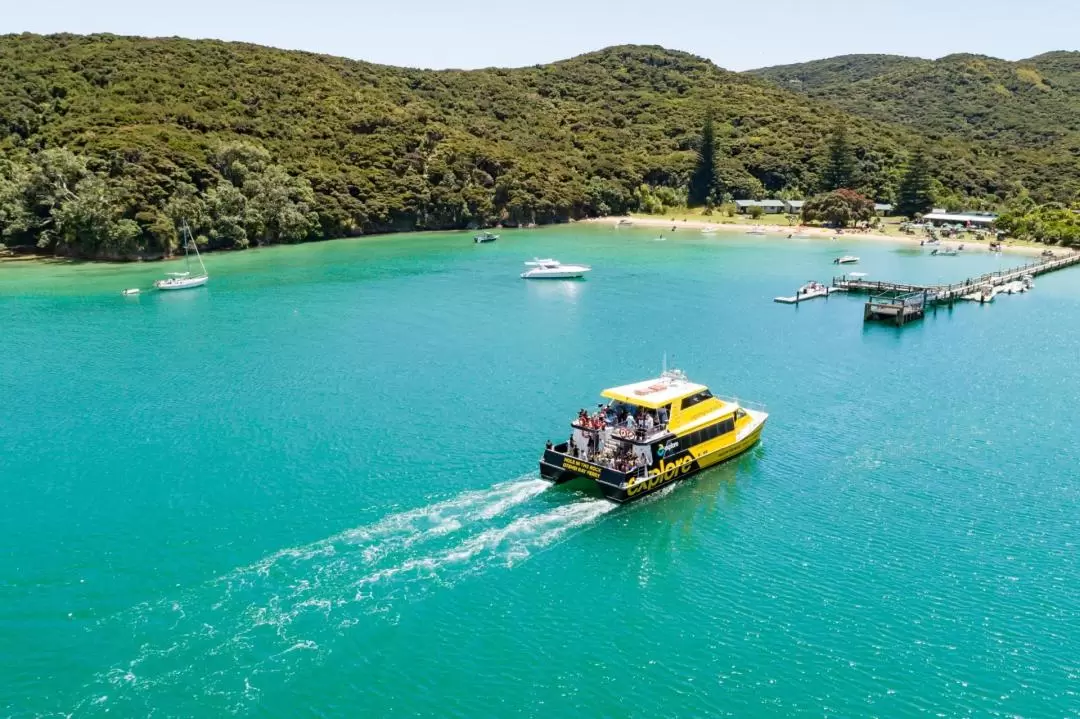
663	366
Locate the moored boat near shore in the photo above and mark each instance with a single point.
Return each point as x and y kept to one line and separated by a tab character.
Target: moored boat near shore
650	435
185	280
549	269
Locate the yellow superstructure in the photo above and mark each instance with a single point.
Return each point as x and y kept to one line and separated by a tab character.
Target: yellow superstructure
707	428
654	432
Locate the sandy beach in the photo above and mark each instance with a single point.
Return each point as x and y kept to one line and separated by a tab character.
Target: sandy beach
803	231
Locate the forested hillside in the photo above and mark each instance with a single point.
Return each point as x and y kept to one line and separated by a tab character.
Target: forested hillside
107	142
1031	103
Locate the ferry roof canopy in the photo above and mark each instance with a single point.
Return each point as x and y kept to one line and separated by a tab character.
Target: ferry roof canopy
653	393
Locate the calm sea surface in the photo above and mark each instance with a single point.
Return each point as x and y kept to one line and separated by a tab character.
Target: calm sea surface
310	489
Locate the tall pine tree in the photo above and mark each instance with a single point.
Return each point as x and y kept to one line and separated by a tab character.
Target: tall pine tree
840	170
703	181
914	195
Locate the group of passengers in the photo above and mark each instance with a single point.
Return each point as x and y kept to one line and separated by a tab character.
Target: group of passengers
619	417
624	461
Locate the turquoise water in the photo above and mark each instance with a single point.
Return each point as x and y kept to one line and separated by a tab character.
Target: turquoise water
310	488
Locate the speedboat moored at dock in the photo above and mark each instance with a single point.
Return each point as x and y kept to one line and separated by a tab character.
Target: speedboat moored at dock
652	434
808	291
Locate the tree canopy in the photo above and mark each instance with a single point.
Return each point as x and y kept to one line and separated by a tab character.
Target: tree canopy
255	145
839	208
1028	110
1051	223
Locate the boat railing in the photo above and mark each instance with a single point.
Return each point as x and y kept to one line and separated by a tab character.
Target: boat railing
745	403
623	433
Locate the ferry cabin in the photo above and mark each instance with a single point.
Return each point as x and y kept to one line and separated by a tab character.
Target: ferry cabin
651	434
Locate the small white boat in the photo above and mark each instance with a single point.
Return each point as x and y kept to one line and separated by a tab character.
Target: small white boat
185	280
857	275
846	260
549	269
131	291
947	252
485	237
808	291
708	231
1015	287
624	223
757	231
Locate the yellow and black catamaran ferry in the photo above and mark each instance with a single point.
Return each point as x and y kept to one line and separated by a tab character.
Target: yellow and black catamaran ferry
651	434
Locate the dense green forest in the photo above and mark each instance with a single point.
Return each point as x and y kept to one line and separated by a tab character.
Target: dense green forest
1032	103
106	142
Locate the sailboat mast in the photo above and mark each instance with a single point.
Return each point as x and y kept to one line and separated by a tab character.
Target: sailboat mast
191	240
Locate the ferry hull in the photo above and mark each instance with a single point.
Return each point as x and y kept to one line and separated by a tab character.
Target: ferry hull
622	488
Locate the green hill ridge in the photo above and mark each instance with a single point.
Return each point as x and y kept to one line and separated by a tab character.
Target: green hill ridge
1031	103
106	142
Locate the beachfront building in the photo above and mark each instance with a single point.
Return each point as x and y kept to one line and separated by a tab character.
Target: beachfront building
882	209
794	207
965	219
768	207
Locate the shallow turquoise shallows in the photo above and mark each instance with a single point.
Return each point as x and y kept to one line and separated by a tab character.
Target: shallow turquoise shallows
310	488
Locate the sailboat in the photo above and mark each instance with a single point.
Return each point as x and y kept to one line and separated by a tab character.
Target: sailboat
185	280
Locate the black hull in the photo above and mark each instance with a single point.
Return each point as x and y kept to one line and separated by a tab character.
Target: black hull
622	488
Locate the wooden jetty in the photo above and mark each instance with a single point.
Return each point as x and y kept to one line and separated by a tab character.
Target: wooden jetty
900	302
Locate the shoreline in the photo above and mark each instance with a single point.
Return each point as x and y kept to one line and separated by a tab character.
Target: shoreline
11	257
807	232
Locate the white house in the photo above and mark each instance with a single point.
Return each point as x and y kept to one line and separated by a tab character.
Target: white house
881	209
972	219
768	207
794	207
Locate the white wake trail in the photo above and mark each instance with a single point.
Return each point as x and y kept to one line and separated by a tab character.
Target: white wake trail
271	616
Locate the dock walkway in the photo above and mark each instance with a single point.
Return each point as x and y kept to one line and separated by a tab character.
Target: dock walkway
901	302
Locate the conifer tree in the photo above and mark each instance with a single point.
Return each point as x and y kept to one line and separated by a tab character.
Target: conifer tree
703	181
914	195
840	170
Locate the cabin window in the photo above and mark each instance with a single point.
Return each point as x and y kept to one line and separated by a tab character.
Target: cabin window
711	432
739	414
698	398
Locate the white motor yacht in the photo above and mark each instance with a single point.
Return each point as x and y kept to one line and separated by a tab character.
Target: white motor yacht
540	269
